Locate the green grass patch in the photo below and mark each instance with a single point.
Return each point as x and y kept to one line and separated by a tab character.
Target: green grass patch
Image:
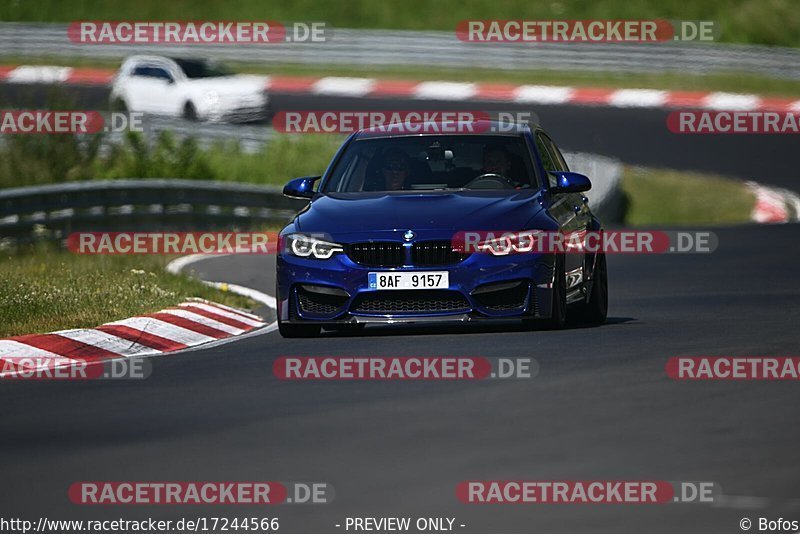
286	157
667	197
772	22
43	289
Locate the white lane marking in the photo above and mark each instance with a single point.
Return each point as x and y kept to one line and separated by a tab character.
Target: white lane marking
222	312
336	85
542	94
106	341
445	90
731	102
638	98
263	298
39	74
203	320
267	300
166	330
177	265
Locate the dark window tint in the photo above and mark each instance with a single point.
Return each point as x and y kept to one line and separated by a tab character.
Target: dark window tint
558	159
196	68
547	159
152	72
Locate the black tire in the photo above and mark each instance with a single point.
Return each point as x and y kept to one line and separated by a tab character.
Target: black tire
594	309
189	112
119	105
298	330
558	314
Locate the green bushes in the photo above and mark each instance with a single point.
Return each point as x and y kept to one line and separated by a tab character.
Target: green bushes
43	159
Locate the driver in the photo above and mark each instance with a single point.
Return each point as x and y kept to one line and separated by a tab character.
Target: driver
396	168
496	160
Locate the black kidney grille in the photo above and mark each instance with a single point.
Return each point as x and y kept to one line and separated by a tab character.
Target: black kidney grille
377	254
433	253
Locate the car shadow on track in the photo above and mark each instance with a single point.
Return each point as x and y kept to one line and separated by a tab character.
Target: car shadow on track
471	328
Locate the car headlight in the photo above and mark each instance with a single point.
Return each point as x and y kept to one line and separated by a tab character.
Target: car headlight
510	243
304	246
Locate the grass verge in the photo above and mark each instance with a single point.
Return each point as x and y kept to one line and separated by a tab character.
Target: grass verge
659	197
43	289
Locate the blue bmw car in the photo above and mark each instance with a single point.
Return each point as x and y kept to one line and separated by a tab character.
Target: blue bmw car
376	244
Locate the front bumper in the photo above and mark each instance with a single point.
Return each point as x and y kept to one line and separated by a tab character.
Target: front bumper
336	291
239	109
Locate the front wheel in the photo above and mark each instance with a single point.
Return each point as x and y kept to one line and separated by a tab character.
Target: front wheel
558	313
118	104
189	112
594	309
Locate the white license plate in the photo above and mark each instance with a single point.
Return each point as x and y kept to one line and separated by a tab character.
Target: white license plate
420	280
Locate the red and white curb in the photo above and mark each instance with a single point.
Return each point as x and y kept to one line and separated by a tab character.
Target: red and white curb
189	324
450	91
774	205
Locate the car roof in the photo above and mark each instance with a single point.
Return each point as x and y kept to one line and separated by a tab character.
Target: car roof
146	58
162	59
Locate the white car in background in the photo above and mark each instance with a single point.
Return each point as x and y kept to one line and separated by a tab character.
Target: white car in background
194	89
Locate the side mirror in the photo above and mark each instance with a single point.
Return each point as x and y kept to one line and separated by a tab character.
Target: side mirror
301	187
570	182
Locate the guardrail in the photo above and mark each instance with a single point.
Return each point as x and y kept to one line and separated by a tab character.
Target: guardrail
175	204
433	49
250	138
144	204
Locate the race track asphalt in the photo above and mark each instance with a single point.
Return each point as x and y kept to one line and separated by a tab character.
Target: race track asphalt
602	407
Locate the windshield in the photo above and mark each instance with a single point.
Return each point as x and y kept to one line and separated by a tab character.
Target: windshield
433	163
197	68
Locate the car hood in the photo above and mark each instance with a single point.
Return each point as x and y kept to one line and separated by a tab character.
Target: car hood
356	213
